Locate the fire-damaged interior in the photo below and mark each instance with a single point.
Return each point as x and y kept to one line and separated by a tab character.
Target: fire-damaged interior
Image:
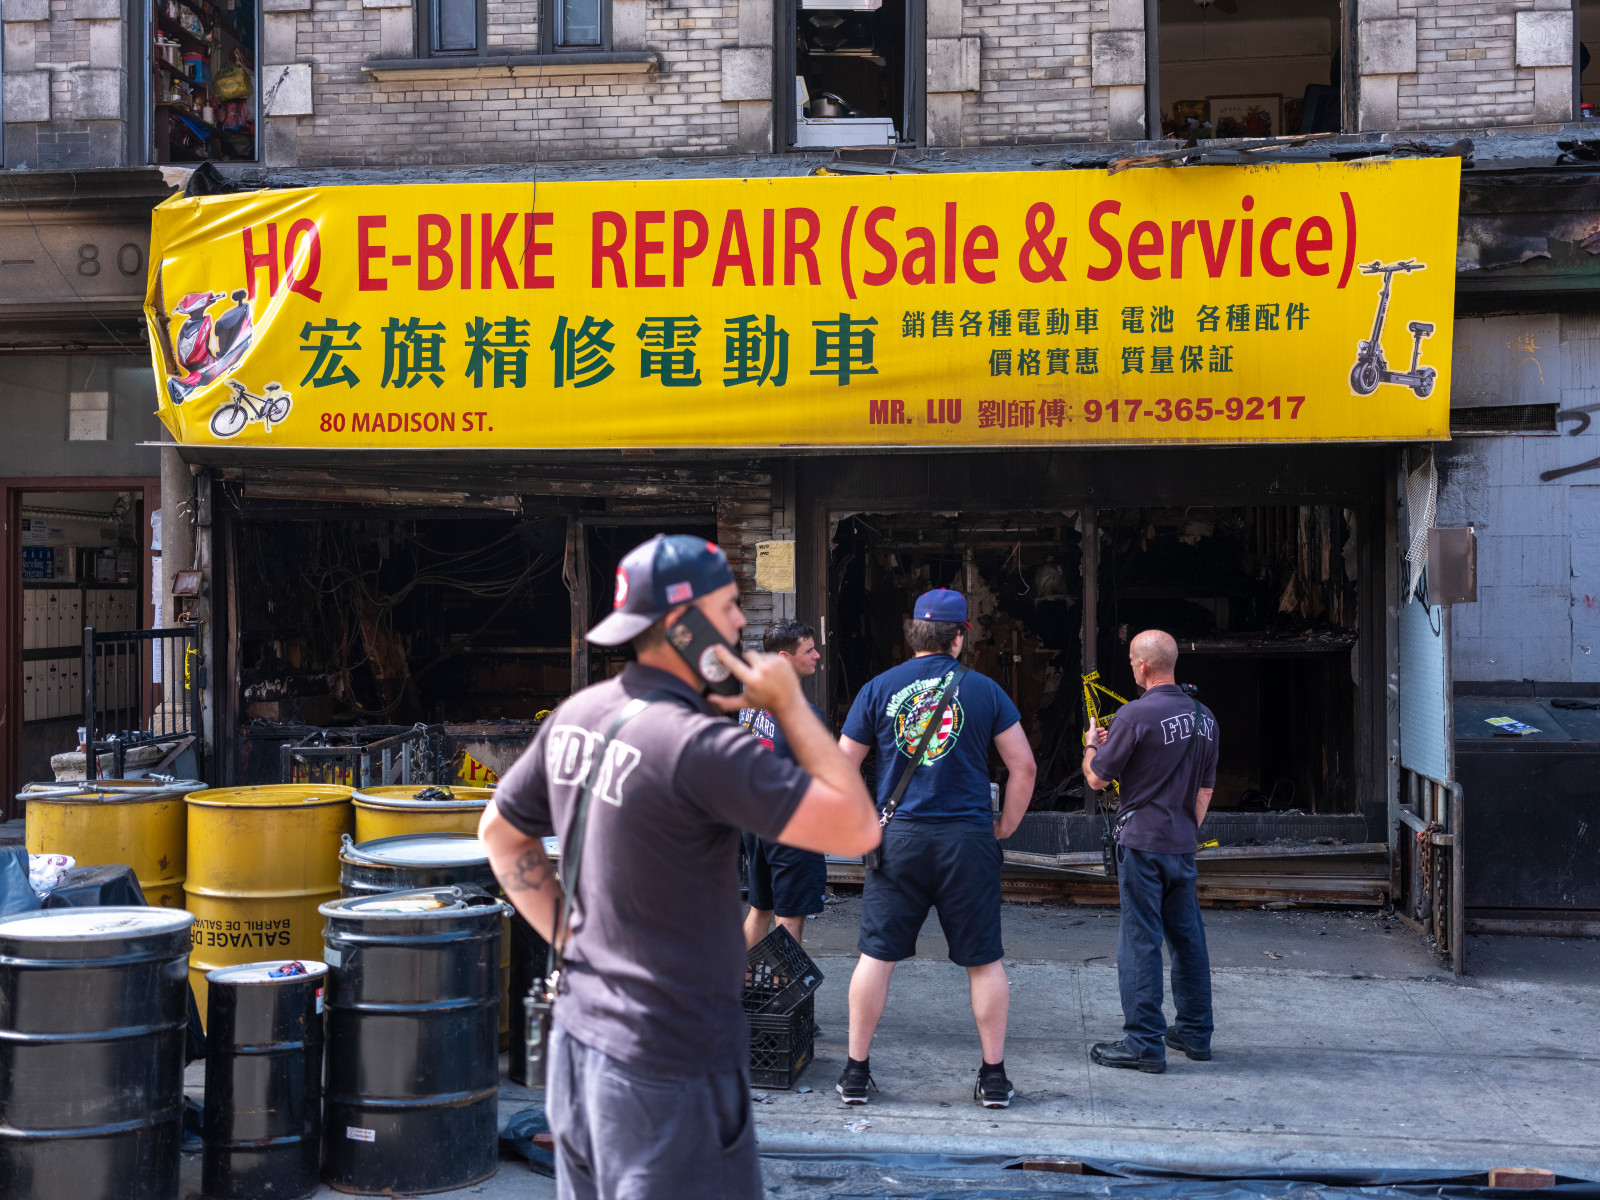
353	631
1262	600
396	621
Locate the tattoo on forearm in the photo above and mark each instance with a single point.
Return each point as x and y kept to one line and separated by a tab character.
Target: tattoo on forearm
528	874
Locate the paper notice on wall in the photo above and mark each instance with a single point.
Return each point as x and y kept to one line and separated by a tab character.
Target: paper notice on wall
775	566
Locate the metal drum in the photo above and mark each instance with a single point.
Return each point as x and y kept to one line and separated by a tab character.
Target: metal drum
383	812
413	860
261	859
93	1009
137	823
263	1122
419	860
413	1049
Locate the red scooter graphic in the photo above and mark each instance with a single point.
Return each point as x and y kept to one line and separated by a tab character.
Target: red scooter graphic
1371	369
206	349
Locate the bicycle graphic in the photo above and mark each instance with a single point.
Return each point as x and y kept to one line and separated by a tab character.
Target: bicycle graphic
270	408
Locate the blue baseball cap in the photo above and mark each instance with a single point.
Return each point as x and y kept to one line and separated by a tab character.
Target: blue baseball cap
666	571
941	604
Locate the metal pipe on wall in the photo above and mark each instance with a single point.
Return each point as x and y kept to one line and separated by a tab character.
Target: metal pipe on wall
1091	591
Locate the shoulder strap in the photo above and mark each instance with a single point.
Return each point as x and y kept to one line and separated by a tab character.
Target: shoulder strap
1194	736
578	828
934	722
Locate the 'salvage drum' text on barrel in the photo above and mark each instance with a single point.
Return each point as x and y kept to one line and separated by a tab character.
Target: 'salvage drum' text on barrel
93	1011
263	1118
419	860
413	1049
261	860
383	812
136	823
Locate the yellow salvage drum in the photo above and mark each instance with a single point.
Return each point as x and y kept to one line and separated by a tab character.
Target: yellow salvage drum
392	811
139	825
261	859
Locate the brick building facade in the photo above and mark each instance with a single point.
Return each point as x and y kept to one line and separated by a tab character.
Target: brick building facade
341	83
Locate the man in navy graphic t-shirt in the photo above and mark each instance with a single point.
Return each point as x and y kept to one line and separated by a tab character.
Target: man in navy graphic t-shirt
941	848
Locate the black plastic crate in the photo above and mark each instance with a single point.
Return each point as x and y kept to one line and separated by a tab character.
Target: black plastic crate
781	1044
778	974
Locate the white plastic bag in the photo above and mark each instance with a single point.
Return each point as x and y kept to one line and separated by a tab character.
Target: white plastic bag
46	871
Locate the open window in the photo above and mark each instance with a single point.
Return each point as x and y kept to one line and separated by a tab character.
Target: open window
203	69
854	73
1249	68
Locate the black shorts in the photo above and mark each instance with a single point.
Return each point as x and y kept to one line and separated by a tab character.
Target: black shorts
950	866
784	881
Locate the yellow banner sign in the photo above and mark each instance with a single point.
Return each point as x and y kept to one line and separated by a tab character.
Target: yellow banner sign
1204	304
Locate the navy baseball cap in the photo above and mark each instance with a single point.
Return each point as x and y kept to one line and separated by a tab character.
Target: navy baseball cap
666	571
941	604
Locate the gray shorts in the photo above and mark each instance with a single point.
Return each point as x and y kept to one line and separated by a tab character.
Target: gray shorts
620	1135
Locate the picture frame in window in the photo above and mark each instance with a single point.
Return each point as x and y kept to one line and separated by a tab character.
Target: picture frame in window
1252	116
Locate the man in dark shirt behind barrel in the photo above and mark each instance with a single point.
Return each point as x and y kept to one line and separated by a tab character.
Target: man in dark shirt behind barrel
647	1078
1162	751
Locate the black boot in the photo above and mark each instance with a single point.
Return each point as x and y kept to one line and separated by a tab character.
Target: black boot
1117	1054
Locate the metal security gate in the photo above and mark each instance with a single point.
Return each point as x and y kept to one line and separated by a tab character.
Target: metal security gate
140	687
1428	862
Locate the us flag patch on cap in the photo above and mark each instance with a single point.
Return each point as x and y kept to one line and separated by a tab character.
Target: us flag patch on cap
677	593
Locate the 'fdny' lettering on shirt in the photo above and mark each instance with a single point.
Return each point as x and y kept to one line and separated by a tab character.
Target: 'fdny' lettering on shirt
1177	729
569	753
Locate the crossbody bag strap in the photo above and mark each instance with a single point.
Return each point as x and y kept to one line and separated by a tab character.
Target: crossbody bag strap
934	722
1194	736
578	828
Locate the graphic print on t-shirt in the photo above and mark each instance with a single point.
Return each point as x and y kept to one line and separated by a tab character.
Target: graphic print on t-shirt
911	708
759	722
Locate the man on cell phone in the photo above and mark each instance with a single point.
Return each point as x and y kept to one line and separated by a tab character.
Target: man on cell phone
647	1084
941	845
784	881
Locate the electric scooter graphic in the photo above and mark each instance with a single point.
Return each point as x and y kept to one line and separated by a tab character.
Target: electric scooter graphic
206	349
1371	369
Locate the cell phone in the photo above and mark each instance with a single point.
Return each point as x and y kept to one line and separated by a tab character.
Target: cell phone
695	638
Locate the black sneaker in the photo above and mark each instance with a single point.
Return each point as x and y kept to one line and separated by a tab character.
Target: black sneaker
993	1089
854	1084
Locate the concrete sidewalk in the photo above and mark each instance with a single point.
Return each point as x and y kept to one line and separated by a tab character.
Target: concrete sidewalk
1340	1043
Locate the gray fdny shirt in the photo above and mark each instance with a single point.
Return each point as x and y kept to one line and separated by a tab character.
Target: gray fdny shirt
1144	752
655	965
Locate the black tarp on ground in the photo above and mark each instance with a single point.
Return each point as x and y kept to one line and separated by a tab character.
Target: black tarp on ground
845	1176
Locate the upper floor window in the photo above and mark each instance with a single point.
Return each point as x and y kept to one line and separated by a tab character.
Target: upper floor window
1249	68
454	27
201	62
576	24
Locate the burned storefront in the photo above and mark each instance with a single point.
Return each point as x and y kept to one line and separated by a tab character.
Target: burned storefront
385	629
1267	568
1159	423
